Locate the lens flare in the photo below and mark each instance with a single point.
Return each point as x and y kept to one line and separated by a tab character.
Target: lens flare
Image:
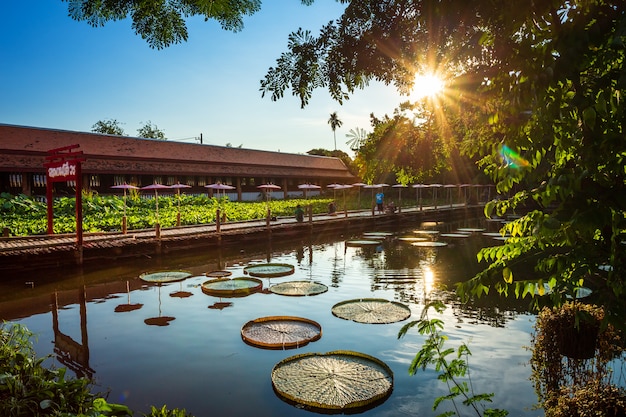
512	158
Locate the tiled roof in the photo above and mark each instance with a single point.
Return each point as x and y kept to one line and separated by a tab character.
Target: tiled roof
24	148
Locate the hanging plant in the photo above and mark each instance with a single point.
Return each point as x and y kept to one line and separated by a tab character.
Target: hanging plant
572	351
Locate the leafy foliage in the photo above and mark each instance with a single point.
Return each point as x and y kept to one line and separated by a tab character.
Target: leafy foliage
24	216
539	95
148	130
162	23
452	365
27	388
108	127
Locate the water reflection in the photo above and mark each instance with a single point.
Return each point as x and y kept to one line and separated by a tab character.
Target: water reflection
199	351
72	354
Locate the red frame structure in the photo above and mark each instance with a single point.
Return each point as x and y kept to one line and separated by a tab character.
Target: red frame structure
64	164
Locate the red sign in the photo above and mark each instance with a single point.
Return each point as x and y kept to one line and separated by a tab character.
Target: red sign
62	171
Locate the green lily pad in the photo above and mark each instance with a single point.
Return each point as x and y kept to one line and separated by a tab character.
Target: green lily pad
164	276
371	311
298	288
235	287
338	381
269	270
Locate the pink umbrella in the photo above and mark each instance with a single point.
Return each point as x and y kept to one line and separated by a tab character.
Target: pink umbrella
399	187
125	187
178	186
268	187
219	186
418	188
359	184
156	187
343	188
305	187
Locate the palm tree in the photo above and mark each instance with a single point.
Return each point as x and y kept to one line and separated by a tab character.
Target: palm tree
334	123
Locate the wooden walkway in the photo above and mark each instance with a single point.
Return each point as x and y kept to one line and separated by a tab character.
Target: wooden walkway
59	249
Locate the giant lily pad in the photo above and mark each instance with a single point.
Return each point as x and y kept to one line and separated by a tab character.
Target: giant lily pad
219	274
429	244
236	287
411	239
280	332
362	242
336	381
164	276
454	235
371	311
377	235
298	288
269	270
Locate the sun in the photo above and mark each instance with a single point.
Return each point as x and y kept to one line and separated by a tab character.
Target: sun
426	85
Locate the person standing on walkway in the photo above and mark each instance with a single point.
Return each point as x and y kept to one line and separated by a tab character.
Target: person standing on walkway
380	199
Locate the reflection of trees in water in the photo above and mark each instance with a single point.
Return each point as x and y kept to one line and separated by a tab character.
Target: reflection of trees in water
494	315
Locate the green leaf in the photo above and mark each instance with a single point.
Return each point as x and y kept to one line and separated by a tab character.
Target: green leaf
507	274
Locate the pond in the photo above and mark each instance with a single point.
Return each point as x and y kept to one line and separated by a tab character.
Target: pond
100	322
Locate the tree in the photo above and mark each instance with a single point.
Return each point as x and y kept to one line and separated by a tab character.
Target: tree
336	154
538	91
151	131
108	127
334	123
162	23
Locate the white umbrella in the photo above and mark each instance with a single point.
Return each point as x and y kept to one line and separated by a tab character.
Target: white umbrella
156	187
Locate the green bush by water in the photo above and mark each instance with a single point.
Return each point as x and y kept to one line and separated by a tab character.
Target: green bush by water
24	216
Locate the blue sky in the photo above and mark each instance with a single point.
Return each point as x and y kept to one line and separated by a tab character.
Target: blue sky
62	74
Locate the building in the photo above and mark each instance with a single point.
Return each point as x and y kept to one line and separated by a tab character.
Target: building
113	160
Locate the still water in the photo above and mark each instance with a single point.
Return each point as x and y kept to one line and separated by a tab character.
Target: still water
93	321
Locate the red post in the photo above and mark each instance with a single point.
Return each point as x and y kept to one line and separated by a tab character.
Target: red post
79	206
49	205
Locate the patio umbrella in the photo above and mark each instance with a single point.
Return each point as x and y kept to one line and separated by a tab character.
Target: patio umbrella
305	187
450	187
156	187
434	187
219	186
343	188
418	188
125	187
268	187
178	186
371	187
399	187
334	186
359	184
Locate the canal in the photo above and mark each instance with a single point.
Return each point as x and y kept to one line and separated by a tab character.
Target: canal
99	321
